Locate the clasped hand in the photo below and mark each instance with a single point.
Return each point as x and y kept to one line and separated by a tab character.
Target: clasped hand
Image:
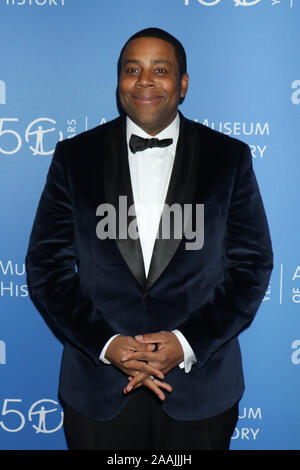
143	363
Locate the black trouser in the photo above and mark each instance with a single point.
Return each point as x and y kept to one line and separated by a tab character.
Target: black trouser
143	425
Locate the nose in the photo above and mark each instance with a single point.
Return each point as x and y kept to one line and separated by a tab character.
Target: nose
145	79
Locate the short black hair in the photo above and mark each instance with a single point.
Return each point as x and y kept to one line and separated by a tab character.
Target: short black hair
165	36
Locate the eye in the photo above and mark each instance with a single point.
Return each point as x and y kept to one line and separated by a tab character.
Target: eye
132	70
160	70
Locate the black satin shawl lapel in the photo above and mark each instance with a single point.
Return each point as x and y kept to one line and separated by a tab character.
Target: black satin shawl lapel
117	182
181	190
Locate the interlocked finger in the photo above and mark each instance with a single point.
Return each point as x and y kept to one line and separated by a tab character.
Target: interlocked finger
143	368
150	382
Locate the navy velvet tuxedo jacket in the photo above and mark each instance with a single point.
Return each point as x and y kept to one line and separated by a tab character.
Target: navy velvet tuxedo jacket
90	289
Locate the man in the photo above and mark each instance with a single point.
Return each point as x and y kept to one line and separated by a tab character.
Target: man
151	357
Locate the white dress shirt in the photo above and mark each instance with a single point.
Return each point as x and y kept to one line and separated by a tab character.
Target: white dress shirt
150	172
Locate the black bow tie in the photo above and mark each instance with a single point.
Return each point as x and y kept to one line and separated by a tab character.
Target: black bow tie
137	143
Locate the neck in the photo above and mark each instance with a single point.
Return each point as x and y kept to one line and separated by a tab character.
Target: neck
150	129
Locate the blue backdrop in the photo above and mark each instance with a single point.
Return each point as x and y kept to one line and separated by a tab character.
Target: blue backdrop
58	78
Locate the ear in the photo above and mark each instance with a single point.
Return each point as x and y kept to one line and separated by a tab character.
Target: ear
184	82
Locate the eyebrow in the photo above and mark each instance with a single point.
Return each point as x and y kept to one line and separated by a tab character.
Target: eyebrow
154	61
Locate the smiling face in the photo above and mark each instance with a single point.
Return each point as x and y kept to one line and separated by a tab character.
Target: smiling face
150	87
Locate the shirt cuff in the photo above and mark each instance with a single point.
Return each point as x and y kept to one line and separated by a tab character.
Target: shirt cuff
189	356
102	355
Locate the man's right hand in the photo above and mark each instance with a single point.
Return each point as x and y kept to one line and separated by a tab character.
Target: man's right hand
124	344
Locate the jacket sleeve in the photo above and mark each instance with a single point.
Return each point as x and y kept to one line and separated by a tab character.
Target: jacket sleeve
248	263
51	265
